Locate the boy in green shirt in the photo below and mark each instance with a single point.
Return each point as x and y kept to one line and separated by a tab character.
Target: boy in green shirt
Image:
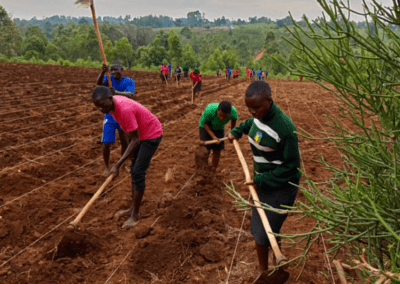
276	160
212	126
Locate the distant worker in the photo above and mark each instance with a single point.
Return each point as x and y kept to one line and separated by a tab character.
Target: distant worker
177	75
254	74
226	72
259	74
170	70
237	73
217	72
164	73
122	86
248	74
196	83
229	73
301	78
266	74
212	127
185	71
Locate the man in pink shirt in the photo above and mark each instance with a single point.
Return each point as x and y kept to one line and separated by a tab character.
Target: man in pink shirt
145	133
164	73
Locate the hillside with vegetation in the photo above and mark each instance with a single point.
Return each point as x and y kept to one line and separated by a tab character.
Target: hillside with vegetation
146	42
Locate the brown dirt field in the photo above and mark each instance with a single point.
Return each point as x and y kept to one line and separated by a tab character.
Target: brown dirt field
51	164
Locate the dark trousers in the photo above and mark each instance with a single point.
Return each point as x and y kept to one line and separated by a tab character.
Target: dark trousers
141	161
275	198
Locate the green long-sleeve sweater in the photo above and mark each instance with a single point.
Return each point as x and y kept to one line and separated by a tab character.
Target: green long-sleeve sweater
275	148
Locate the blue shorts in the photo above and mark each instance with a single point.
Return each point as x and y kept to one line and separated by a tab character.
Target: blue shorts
109	126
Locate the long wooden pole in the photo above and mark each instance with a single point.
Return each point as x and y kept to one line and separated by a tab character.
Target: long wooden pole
75	223
96	27
274	244
209	142
193	91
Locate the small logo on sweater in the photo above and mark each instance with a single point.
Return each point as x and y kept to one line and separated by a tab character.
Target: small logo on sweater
258	138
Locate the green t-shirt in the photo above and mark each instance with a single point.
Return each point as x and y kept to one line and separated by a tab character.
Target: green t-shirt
210	115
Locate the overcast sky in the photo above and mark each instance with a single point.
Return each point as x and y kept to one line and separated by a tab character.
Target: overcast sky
231	9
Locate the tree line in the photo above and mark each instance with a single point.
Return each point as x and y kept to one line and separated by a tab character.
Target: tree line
75	43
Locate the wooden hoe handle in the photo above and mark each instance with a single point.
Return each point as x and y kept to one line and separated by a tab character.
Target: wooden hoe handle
212	141
75	223
274	244
96	27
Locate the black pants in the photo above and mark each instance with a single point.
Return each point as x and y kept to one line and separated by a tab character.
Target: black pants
274	198
204	136
141	162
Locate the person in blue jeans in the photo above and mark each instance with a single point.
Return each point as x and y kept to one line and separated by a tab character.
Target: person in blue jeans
259	74
229	73
122	86
170	70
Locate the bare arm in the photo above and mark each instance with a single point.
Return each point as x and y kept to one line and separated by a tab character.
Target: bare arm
233	124
100	80
134	142
209	131
129	95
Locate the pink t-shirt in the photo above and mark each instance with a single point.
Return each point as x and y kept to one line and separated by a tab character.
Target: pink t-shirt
131	116
164	69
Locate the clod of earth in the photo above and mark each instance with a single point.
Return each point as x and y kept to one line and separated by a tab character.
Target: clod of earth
74	244
212	251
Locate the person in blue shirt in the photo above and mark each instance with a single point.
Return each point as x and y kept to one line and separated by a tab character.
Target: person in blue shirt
170	70
254	73
259	74
229	73
122	86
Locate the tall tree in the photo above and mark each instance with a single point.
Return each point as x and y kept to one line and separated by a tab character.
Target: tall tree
230	59
124	51
215	61
189	57
175	47
154	54
10	37
35	43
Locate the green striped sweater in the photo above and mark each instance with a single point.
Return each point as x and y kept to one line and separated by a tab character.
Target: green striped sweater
275	147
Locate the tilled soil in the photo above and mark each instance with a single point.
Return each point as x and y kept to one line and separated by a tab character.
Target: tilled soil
190	232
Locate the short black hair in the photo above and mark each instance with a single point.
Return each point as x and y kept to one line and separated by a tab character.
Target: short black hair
225	106
116	63
101	92
259	88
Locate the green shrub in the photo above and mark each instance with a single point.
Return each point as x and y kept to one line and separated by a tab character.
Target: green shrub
80	62
31	54
51	62
3	58
67	63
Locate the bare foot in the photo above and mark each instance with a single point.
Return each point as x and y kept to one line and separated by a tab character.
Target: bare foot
124	212
131	222
106	172
278	277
